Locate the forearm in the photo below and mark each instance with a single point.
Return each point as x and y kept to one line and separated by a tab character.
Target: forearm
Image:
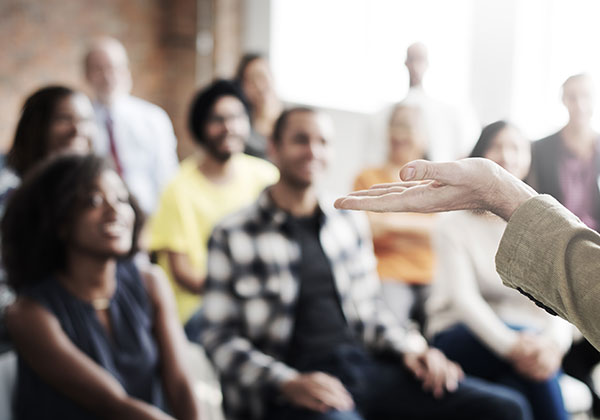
132	409
191	282
257	368
183	401
185	274
549	254
487	327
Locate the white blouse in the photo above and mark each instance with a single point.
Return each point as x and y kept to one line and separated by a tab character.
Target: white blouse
467	289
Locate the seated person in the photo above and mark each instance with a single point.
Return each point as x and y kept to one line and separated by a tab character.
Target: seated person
401	241
54	119
210	184
295	324
256	81
494	332
96	336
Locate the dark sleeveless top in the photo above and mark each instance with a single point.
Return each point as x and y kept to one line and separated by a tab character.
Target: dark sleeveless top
131	355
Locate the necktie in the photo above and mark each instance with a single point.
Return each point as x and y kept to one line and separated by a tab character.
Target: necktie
113	145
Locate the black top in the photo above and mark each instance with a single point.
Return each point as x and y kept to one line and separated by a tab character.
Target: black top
544	176
130	354
320	326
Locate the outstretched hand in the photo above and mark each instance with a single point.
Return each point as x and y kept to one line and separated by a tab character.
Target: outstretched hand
429	187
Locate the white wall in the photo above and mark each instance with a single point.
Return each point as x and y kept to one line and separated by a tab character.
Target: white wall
495	28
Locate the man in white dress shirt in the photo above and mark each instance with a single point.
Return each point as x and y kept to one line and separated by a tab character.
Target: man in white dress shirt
136	135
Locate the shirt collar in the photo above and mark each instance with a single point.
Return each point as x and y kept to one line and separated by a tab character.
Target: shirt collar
272	214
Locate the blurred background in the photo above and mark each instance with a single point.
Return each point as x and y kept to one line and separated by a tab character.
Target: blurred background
490	59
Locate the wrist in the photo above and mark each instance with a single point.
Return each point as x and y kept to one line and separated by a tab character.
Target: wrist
510	195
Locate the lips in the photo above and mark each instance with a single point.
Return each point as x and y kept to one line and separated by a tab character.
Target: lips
115	229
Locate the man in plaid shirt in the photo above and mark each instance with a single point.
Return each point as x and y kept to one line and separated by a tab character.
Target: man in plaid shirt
294	322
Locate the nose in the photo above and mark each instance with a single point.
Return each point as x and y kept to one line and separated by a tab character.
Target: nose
230	123
110	207
315	148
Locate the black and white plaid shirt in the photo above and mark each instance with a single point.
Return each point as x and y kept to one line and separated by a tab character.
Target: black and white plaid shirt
252	286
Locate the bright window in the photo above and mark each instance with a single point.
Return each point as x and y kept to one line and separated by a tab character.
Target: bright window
349	54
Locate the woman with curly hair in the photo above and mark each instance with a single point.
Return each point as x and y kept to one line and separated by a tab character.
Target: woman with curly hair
96	334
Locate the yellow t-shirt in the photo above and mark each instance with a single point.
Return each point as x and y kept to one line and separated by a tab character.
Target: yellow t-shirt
192	205
404	257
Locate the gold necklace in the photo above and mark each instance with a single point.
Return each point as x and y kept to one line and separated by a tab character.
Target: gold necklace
100	304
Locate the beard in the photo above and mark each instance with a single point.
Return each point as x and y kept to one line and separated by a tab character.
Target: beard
212	148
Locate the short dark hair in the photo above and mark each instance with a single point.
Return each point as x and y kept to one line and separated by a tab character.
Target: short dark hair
283	118
204	101
487	136
40	213
30	144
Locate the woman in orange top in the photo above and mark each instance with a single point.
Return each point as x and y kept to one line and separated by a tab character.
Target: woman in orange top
402	240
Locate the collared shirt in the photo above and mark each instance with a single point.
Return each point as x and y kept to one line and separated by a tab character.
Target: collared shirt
252	288
578	177
145	146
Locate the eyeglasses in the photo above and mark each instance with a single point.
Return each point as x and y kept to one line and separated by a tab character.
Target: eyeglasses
223	119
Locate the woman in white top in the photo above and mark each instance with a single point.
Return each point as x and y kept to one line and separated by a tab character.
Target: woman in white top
492	331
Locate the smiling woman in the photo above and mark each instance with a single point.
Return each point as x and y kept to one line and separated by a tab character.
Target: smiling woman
95	334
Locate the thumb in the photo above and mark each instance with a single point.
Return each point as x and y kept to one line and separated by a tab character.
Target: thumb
422	170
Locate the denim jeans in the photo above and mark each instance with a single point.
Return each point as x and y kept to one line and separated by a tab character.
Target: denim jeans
460	345
382	389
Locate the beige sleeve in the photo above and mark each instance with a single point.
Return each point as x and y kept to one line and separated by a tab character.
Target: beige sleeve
550	255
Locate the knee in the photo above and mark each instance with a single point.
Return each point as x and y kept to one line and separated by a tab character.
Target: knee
512	405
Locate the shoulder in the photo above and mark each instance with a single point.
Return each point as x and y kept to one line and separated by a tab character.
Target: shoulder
371	173
370	176
155	282
186	173
546	143
246	219
257	166
144	106
350	227
145	111
26	317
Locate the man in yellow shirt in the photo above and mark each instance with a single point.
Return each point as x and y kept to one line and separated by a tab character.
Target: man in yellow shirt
214	182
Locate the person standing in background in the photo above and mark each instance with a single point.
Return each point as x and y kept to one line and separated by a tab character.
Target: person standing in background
449	128
401	241
256	81
136	135
566	165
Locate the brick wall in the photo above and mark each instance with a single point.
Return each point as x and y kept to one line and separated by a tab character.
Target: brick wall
43	42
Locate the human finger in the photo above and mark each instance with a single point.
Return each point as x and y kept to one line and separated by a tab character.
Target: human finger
453	376
332	392
437	370
414	365
374	192
405	184
419	170
382	203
